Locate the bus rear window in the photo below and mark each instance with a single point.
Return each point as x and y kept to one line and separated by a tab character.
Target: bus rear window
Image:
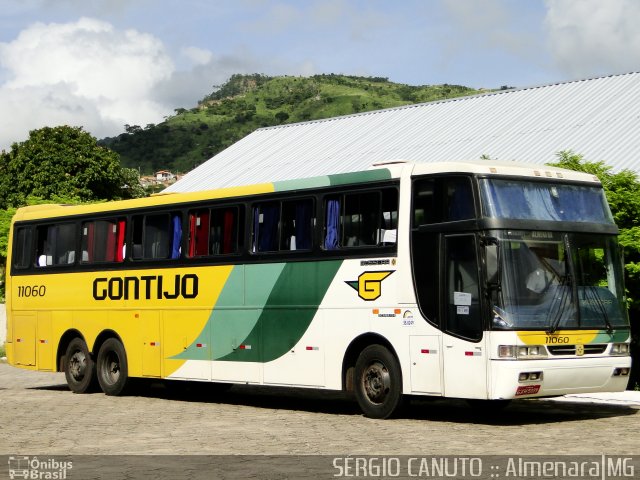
22	247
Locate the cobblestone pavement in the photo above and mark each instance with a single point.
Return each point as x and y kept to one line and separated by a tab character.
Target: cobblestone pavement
39	415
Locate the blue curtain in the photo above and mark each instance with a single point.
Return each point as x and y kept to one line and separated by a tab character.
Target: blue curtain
543	201
177	237
333	219
303	225
268	232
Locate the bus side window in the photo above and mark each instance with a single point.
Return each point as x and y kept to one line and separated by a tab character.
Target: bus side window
157	236
459	199
297	225
137	228
56	244
425	210
103	241
199	233
442	199
361	219
266	219
214	232
225	230
388	232
22	247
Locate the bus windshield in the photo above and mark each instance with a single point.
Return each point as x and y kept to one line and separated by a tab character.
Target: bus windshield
554	280
527	200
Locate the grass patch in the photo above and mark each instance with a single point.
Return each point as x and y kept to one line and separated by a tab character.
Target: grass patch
3	352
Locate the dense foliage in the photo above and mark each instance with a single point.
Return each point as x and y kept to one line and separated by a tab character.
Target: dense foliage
623	193
248	102
63	161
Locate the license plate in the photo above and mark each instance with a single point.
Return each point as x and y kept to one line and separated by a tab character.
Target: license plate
527	390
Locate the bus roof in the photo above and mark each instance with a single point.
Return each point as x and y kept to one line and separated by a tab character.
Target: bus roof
492	167
378	172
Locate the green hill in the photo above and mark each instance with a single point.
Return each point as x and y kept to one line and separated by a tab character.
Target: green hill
248	102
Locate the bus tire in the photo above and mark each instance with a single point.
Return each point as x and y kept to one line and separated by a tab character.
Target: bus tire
79	367
112	367
378	385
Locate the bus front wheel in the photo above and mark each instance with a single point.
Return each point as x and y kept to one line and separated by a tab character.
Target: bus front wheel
378	382
79	367
112	367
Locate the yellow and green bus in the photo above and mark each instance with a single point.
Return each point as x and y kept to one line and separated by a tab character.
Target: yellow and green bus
476	280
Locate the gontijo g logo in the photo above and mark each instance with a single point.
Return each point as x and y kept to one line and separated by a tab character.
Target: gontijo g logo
369	284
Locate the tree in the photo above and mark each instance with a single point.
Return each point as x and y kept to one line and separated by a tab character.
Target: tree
623	194
63	161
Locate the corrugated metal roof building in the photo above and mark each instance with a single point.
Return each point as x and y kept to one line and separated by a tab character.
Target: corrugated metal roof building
598	118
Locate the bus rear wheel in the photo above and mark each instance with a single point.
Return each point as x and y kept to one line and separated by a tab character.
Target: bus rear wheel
112	367
378	382
79	367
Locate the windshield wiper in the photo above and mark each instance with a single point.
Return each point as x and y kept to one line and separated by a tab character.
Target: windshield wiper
560	301
568	288
600	304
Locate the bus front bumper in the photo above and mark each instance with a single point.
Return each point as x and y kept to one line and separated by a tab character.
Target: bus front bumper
511	379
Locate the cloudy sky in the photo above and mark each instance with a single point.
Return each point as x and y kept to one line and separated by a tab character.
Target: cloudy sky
102	64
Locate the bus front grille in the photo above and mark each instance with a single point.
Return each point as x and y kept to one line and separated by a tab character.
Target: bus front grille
593	349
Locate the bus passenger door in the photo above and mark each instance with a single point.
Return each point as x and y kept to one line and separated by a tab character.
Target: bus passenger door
464	345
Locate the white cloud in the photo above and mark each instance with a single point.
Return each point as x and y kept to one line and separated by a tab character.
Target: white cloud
592	37
82	73
89	73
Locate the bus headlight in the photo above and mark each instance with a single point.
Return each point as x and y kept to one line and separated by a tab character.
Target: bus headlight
620	349
522	352
507	351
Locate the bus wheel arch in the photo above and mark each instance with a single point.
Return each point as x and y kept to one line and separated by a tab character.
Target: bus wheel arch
63	345
102	337
354	349
77	363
